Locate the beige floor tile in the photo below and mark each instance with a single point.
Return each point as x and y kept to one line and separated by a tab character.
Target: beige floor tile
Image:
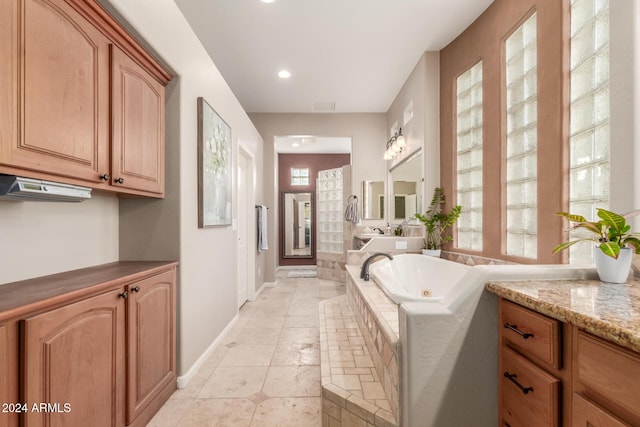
299	336
292	381
301	321
288	412
259	321
296	355
218	413
248	355
170	413
228	381
258	336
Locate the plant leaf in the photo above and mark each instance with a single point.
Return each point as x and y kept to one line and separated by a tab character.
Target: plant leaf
633	241
565	245
612	219
611	249
572	217
594	227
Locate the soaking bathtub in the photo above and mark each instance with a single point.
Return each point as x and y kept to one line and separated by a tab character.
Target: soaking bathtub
449	335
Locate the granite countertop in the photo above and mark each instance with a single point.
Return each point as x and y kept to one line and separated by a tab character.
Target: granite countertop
608	310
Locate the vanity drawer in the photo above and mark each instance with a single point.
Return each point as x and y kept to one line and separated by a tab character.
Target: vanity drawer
587	414
529	394
608	372
532	333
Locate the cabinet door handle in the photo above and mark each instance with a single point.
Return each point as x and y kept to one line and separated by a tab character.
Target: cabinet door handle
512	378
105	177
135	289
119	180
123	295
515	329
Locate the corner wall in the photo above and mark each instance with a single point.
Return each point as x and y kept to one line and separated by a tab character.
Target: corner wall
207	288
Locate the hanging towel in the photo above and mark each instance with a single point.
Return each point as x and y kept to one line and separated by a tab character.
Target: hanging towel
351	212
262	228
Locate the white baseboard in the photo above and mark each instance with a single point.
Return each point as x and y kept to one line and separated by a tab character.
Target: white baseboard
264	285
183	380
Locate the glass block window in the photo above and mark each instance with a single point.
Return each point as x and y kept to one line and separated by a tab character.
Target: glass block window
521	144
299	176
469	157
589	129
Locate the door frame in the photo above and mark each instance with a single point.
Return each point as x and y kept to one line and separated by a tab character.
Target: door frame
248	192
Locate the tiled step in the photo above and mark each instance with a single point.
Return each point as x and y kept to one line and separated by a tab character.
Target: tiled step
352	394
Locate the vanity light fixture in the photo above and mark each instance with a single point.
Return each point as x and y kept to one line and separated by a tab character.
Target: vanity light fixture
395	144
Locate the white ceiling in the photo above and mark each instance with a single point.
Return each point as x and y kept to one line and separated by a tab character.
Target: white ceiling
354	53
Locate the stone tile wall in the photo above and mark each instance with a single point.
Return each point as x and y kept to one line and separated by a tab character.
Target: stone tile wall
378	319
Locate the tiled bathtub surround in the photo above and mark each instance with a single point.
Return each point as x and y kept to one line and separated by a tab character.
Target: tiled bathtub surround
352	394
377	317
472	259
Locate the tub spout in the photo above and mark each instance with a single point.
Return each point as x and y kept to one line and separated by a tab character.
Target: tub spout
364	271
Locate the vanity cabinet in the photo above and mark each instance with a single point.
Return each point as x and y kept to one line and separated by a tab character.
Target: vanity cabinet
532	370
97	346
553	373
605	383
74	359
84	104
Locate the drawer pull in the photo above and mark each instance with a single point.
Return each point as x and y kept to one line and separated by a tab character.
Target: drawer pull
512	378
515	329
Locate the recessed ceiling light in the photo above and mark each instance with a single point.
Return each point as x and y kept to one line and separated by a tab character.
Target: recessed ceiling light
284	74
268	1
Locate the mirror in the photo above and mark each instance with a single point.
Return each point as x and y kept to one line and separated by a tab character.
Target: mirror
372	199
297	211
406	178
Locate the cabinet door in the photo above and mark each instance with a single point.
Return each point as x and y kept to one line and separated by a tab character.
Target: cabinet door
529	394
5	397
138	126
152	340
74	362
62	109
587	414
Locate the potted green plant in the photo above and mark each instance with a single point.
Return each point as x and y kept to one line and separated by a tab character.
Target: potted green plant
612	235
436	222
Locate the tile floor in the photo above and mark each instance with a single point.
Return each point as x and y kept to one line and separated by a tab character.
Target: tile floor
267	370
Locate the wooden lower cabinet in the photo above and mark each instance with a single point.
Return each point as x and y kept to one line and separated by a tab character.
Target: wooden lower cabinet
5	399
563	376
105	359
588	414
151	366
74	364
529	394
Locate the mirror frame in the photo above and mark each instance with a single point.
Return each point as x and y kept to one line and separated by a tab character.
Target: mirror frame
366	201
391	212
312	245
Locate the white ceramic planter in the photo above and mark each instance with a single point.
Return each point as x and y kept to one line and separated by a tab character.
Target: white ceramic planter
432	252
614	270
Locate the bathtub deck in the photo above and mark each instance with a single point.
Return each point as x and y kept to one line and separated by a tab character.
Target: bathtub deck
352	393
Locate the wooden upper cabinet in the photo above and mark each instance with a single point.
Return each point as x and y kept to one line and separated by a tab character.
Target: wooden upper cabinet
60	118
75	355
137	126
63	93
151	340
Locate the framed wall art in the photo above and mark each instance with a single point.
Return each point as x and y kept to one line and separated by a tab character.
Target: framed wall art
214	168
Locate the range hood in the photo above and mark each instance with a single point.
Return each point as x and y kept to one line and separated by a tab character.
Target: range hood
28	189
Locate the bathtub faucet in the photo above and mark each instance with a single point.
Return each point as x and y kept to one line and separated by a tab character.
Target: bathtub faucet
364	271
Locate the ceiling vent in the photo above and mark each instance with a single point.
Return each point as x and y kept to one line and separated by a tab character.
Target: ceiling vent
324	107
